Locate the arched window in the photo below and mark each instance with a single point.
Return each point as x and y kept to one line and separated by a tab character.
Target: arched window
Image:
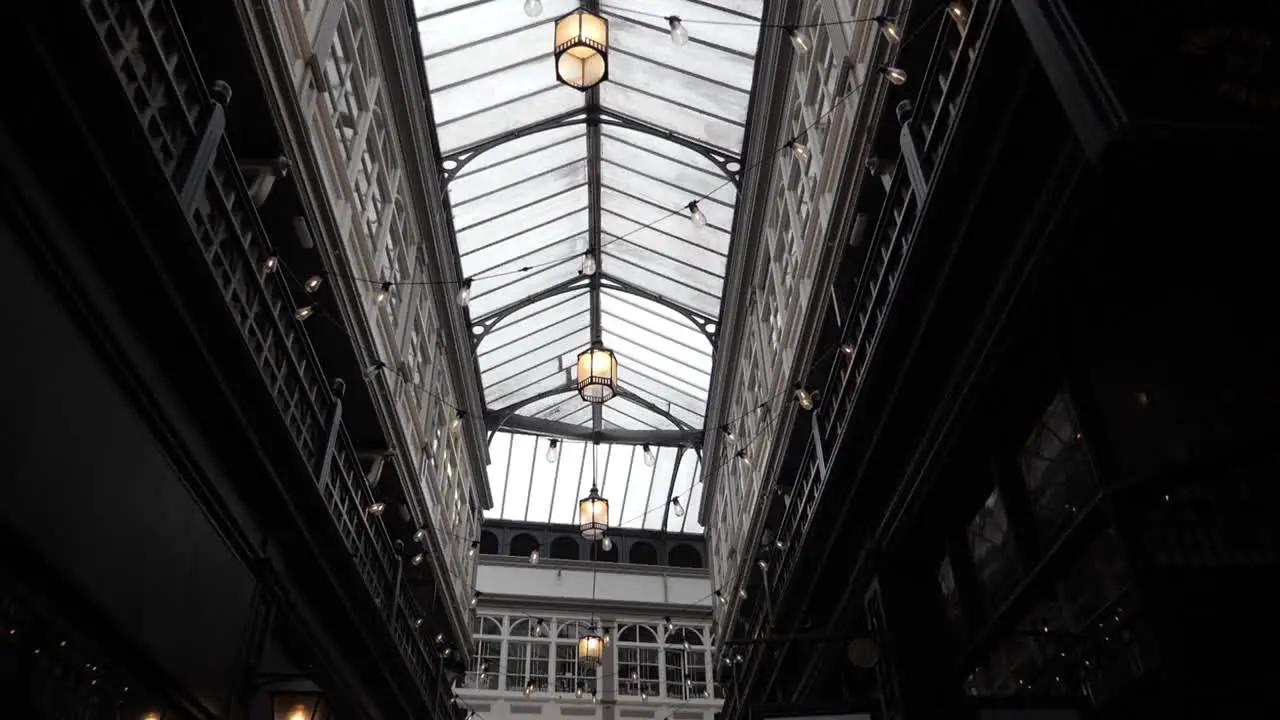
685	661
639	669
528	655
487	658
523	544
684	555
488	543
570	674
643	553
565	548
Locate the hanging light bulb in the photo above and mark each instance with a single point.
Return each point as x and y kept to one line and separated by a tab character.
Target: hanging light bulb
667	624
533	8
959	13
804	398
685	645
721	597
376	509
695	215
744	457
312	284
780	544
799	149
679	34
475	597
595	699
644	696
464	293
540	629
728	432
897	76
417	559
799	41
456	422
578	693
588	264
528	688
706	692
650	458
742	592
304	312
271	264
606	544
846	349
471	551
383	292
676	507
635	675
534	555
439	638
372	371
889	29
553	451
763	565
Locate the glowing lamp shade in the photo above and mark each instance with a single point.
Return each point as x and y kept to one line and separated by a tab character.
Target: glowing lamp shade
593	515
582	49
597	375
590	650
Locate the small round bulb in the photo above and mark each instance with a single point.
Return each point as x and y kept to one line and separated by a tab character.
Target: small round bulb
889	29
799	149
588	264
304	312
607	543
534	556
578	693
695	215
380	296
804	399
679	34
799	41
897	76
553	451
464	293
376	509
959	13
271	264
676	507
533	8
650	457
313	283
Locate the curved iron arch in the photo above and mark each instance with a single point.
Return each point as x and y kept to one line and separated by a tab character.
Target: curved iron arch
730	166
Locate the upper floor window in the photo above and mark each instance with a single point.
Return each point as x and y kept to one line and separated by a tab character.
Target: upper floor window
572	676
639	666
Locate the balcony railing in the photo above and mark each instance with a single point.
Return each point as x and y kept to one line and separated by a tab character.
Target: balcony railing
183	120
925	126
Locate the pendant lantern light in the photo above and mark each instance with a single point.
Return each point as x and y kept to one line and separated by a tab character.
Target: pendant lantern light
590	649
593	510
593	514
582	49
597	375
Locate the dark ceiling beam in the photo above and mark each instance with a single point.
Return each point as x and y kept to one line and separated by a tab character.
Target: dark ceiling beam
568	431
454	162
513	409
593	218
487	322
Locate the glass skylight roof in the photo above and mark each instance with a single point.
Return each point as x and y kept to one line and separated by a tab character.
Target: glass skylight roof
527	487
541	175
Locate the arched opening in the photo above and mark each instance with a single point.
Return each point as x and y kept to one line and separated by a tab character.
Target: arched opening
488	542
522	544
643	553
565	548
684	555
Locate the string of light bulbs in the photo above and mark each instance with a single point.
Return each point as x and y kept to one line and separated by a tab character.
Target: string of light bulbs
896	76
